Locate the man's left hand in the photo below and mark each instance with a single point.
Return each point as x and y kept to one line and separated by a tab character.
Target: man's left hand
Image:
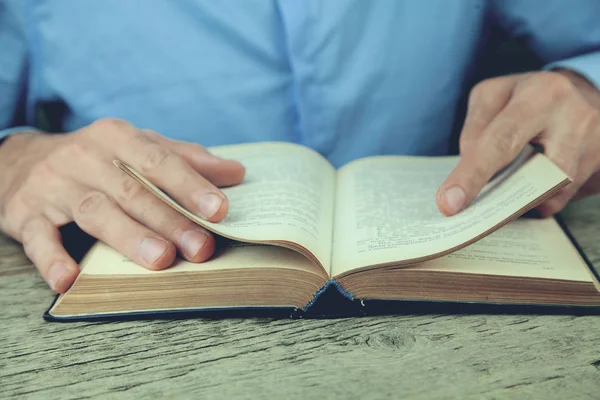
558	110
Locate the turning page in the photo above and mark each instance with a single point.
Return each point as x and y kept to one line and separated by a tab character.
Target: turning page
286	197
103	260
386	212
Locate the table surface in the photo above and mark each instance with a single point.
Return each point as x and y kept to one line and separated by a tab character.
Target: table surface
417	356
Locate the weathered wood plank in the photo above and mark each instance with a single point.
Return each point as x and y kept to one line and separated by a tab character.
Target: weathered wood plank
417	356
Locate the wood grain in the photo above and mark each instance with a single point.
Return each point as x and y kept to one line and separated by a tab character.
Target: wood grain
421	356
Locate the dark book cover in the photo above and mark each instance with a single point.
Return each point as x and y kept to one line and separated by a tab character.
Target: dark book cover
332	301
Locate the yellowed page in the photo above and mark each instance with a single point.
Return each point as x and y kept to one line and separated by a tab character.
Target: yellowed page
534	248
386	211
287	196
104	260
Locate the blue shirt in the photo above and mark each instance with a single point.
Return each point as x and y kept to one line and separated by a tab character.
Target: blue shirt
349	78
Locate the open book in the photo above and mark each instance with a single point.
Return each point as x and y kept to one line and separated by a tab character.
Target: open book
370	230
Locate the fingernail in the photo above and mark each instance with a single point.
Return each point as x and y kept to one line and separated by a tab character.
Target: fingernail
56	273
152	249
454	198
210	204
191	242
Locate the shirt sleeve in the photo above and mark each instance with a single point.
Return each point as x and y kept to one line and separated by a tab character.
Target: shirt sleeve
564	34
13	69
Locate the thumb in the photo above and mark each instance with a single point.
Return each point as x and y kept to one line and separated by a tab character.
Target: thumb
499	143
486	101
461	186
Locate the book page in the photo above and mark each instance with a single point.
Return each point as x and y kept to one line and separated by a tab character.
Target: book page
386	211
534	248
287	196
104	260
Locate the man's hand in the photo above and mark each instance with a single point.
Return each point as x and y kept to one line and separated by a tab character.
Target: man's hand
51	180
558	110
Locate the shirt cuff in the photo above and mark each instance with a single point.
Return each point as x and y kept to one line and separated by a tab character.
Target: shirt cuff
4	133
587	65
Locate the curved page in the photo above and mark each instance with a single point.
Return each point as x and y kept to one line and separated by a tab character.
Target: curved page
387	215
286	198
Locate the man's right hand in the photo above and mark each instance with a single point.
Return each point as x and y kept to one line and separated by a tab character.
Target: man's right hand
50	180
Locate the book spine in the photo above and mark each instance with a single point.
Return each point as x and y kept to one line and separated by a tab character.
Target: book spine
328	285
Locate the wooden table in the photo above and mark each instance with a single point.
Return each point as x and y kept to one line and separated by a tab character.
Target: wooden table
416	356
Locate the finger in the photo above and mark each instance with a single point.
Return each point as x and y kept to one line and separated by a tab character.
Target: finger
219	171
43	245
571	144
100	217
557	202
169	171
497	146
575	162
590	187
193	242
486	100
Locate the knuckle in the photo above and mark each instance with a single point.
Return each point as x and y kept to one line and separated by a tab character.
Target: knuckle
130	190
154	158
558	85
144	136
593	118
42	171
89	204
484	92
524	110
17	204
29	229
73	150
15	213
506	142
485	87
149	133
589	120
198	148
109	125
